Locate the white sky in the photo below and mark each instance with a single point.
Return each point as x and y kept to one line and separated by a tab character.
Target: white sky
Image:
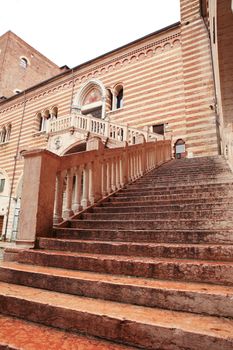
73	31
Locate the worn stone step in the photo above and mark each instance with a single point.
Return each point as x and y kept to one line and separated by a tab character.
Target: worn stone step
154	236
136	187
189	190
18	334
210	214
160	268
190	297
156	207
133	325
165	250
180	201
134	224
150	197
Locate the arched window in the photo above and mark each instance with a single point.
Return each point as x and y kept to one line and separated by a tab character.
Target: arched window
180	151
40	121
119	94
54	113
23	62
3	135
109	100
8	133
46	116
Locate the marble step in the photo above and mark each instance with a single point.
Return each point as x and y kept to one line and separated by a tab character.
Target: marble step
189	270
129	324
214	252
198	298
154	236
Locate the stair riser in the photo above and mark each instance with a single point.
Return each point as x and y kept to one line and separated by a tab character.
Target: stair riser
174	192
220	253
174	270
199	303
205	214
151	225
208	196
149	236
224	201
156	208
130	332
134	189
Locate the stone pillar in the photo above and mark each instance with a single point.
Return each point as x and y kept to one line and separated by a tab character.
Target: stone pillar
38	194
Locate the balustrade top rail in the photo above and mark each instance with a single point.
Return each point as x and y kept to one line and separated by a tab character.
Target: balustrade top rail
101	127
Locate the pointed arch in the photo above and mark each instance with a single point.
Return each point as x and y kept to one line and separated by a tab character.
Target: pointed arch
80	99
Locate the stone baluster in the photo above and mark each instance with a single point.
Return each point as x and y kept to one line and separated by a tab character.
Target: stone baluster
78	189
92	183
114	174
118	182
59	197
104	190
68	212
109	176
85	199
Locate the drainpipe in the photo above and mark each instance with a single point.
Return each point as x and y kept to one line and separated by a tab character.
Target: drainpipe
14	168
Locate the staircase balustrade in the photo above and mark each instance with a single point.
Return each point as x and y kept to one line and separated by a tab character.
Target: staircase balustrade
101	127
55	188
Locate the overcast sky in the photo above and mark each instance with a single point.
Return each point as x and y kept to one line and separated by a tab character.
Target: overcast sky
73	31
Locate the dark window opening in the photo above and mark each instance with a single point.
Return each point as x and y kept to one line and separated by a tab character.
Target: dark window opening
158	129
119	99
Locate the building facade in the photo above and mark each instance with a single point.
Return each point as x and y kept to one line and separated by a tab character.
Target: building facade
161	85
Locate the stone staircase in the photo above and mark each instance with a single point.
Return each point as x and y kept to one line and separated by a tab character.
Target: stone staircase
150	268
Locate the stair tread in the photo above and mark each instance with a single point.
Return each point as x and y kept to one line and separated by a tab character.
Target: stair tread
17	334
144	244
128	258
203	288
199	324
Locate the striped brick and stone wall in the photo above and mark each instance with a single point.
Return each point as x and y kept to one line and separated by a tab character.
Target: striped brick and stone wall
167	79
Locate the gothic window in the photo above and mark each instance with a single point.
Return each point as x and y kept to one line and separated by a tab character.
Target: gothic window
23	62
8	133
119	95
54	113
3	135
109	100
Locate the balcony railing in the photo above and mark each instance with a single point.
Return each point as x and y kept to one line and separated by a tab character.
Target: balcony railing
102	128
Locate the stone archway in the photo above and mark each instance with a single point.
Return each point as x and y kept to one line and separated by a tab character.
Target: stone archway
91	99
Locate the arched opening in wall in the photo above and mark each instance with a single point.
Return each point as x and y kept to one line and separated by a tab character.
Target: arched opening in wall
23	62
91	99
92	103
46	117
3	135
109	101
54	113
119	96
39	122
8	132
81	147
179	149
